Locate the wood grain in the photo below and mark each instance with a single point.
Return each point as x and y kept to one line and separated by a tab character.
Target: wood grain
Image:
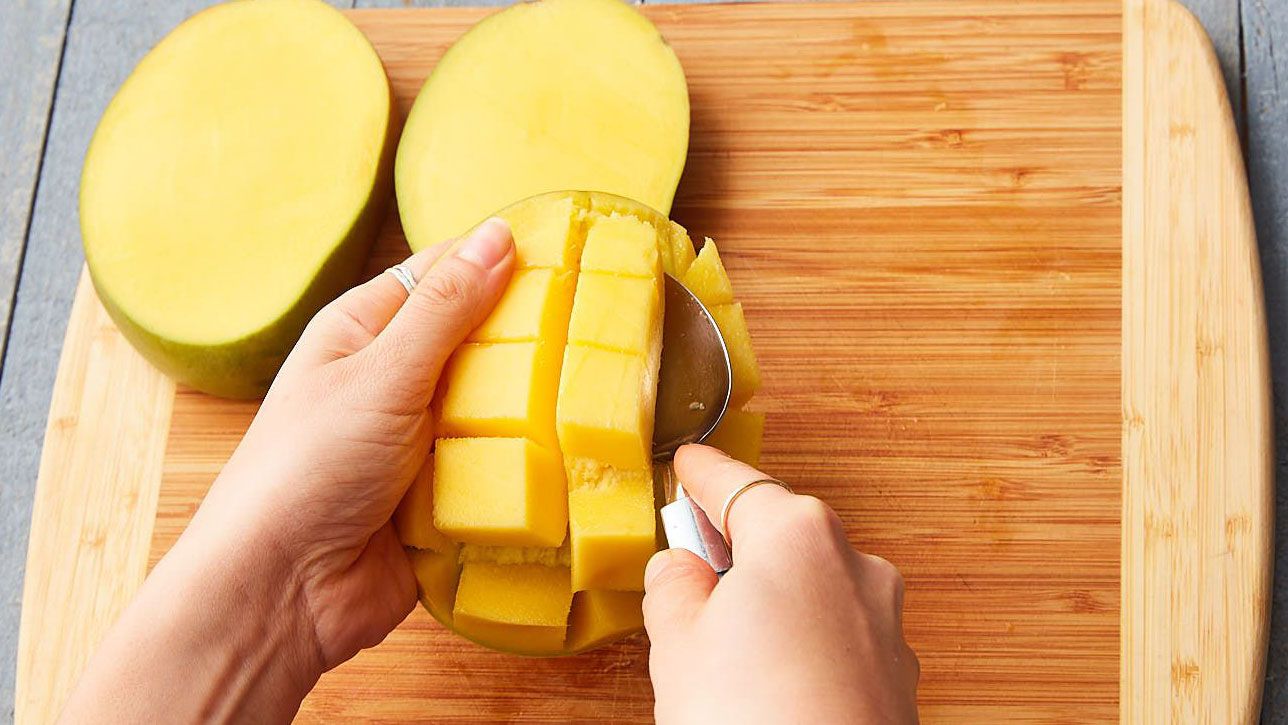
1198	504
921	207
100	474
933	282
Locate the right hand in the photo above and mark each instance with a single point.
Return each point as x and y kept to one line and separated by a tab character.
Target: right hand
802	629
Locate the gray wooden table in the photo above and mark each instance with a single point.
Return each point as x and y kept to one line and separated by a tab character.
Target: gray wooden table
61	60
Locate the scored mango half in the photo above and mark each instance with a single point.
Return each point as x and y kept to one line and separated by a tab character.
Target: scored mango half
534	518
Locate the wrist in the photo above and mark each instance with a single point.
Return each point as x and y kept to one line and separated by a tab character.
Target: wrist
234	599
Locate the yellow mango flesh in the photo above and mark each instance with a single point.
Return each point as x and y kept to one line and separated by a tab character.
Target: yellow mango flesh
706	278
543	96
499	491
601	413
615	313
740	434
621	244
437	574
544	555
547	230
521	608
742	357
612	526
501	390
414	517
602	417
234	186
600	617
535	306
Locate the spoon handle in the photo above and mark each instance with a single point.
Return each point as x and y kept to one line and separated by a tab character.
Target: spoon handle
687	527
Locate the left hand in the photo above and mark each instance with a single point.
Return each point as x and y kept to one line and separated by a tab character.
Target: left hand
344	430
291	565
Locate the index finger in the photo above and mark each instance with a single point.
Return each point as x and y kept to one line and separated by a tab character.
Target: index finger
709	476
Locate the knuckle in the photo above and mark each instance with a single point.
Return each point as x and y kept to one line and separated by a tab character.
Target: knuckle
810	515
450	285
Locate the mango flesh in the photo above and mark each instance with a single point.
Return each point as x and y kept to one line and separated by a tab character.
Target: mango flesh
706	278
234	186
610	332
742	358
437	575
501	390
598	618
535	306
524	605
499	491
740	434
543	96
612	525
414	517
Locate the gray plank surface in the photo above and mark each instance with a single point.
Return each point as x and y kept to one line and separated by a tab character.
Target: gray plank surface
31	44
1265	26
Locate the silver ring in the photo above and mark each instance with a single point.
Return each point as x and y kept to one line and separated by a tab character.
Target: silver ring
402	273
728	502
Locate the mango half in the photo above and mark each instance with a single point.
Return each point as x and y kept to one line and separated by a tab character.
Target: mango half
543	96
234	186
531	526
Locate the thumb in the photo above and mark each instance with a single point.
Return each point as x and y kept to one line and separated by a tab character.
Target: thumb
455	295
676	584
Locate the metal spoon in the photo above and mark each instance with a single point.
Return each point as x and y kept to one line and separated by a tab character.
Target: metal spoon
695	378
692	395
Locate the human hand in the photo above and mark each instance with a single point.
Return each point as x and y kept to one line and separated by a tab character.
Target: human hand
803	628
291	566
344	430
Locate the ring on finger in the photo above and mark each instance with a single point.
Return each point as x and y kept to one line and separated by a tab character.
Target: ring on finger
403	274
733	496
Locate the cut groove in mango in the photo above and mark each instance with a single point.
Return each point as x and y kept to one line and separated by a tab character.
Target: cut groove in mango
543	96
234	186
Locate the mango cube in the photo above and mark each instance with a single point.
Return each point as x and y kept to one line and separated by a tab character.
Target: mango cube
679	252
612	526
599	617
535	306
707	279
620	244
437	573
617	313
499	491
742	358
501	390
414	517
740	434
521	608
546	234
605	408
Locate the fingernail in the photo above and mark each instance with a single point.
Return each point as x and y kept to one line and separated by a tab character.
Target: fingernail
488	244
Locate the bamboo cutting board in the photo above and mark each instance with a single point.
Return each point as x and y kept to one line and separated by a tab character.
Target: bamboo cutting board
998	262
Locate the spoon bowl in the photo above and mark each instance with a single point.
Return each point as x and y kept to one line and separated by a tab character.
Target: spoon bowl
695	377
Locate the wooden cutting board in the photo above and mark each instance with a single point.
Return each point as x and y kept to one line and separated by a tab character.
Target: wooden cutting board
998	262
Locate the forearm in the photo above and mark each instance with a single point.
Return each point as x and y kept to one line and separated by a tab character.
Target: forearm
215	634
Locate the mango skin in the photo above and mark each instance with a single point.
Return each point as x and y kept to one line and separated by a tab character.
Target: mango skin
244	368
